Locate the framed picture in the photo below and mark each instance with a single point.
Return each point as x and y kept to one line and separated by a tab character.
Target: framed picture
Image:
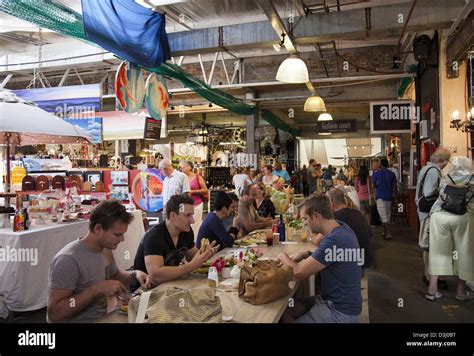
93	177
119	192
119	177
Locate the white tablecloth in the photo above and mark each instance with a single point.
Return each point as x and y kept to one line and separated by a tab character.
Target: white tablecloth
24	285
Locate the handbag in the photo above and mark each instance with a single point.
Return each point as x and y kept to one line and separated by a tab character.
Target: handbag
176	305
425	203
264	281
456	198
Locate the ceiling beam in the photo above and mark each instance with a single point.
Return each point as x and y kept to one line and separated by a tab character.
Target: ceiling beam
350	24
270	11
6	80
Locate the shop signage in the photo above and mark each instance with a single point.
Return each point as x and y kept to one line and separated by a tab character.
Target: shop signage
392	116
71	101
152	129
337	126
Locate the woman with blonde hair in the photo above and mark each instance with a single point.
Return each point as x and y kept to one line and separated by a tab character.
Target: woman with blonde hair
262	204
451	234
198	189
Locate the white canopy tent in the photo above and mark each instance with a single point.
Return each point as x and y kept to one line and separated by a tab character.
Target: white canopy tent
23	123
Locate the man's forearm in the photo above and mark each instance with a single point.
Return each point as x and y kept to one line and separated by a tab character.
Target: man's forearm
66	308
170	273
255	226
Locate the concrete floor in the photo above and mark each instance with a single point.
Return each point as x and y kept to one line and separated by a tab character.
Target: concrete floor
396	290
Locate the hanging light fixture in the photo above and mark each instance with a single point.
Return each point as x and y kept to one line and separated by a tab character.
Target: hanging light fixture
314	103
293	70
325	116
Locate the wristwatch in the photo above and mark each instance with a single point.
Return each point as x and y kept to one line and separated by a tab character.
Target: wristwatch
134	274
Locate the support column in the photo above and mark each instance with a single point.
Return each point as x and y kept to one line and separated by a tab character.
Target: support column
252	121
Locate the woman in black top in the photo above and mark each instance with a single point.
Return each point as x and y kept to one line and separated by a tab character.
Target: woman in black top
262	203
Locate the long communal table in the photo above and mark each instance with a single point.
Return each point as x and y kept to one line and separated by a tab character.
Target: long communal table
246	312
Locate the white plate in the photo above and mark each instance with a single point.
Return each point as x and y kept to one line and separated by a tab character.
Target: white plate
288	243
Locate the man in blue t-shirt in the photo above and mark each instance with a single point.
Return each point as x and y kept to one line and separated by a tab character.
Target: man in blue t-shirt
212	227
385	182
338	259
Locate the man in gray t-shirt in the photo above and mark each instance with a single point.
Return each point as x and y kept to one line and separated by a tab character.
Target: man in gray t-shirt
83	274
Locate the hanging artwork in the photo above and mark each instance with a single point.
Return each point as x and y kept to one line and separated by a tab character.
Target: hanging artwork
129	87
157	99
147	188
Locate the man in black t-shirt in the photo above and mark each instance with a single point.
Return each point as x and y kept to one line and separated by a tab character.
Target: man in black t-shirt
167	251
354	219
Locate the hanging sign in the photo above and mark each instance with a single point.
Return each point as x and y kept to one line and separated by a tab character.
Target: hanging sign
152	129
392	116
337	126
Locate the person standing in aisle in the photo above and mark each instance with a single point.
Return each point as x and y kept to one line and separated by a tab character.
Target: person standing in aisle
452	231
427	186
362	183
175	182
280	172
311	177
198	188
304	180
385	183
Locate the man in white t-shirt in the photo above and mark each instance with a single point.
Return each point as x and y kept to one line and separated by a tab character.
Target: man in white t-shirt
240	181
175	182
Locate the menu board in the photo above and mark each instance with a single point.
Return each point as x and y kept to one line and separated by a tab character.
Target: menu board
152	129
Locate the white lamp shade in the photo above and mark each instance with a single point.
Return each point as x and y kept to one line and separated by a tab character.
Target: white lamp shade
325	116
314	103
293	70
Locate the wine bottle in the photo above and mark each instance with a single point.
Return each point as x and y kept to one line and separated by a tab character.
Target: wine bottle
281	229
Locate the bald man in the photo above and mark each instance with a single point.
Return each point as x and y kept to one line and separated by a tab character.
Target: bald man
174	183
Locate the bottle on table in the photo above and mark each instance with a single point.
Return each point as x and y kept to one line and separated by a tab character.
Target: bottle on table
16	221
27	221
281	229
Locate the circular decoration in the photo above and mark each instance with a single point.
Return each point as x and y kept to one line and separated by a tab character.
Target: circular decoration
184	149
147	188
157	99
129	87
220	158
239	136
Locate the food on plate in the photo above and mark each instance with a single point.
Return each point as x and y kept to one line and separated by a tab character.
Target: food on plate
247	241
